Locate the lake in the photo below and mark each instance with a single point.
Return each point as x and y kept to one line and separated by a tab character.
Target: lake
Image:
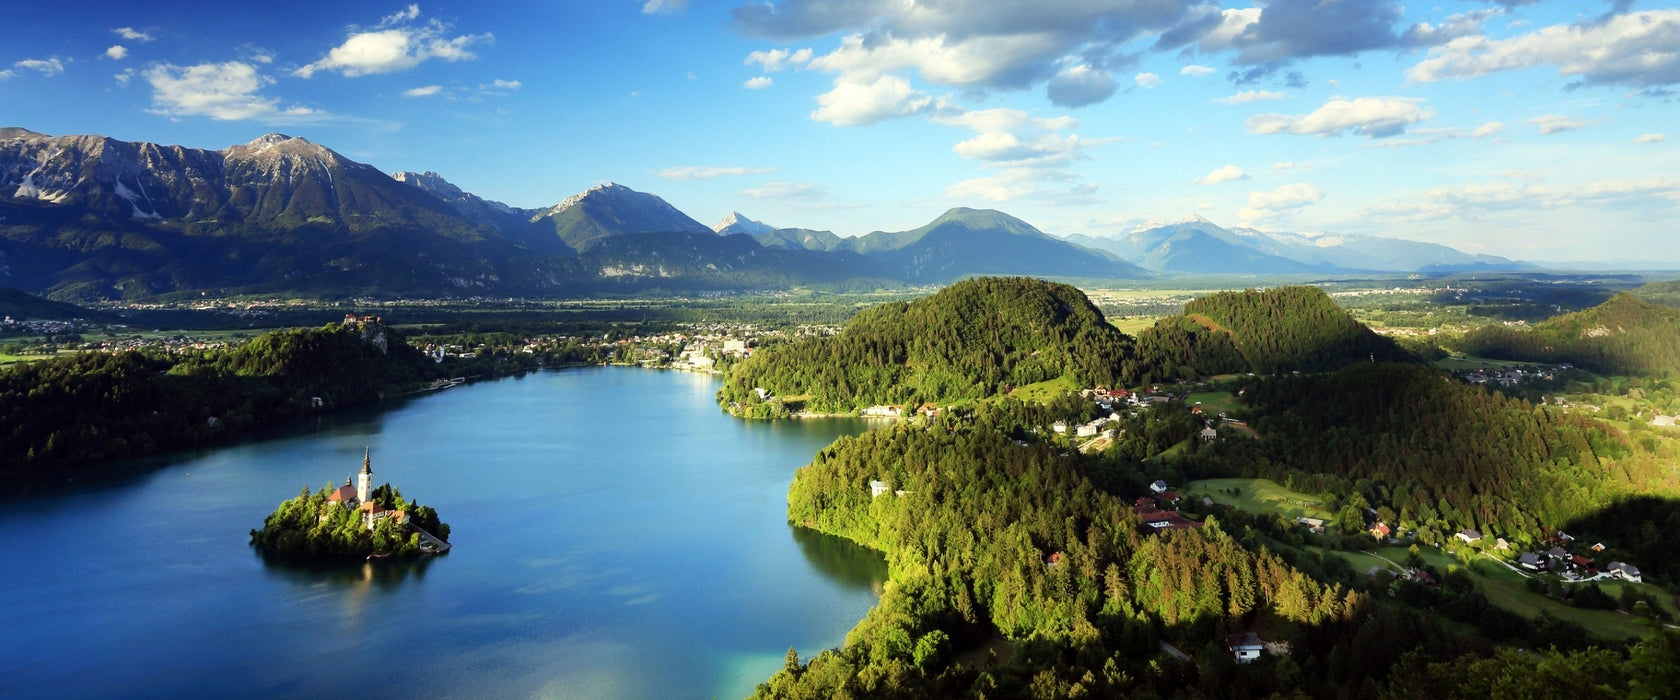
615	535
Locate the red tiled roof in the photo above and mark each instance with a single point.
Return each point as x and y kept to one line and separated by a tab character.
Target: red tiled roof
343	493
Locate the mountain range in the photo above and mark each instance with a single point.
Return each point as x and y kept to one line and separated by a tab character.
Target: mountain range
91	217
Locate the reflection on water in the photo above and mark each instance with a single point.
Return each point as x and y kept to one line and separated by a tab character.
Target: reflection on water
841	560
616	535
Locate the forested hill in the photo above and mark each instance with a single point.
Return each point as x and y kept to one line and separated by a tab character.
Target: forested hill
1625	335
973	339
1443	455
73	416
22	306
1665	293
1276	330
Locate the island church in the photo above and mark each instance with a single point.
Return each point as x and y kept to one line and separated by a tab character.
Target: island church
360	496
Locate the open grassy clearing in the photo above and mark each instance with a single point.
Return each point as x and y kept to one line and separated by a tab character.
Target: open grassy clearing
1463	362
1133	325
1259	496
1045	391
1214	401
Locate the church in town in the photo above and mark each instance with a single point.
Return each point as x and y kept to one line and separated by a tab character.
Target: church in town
360	496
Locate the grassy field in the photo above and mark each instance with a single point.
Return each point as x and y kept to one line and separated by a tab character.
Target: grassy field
1133	325
1043	392
1214	401
1463	362
1259	496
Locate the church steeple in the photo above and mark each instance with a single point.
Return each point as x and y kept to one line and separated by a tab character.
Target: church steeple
364	482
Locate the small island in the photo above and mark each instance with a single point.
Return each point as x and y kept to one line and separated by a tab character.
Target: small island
347	521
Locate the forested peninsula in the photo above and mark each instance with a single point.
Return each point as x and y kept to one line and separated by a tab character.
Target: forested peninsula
75	416
1025	562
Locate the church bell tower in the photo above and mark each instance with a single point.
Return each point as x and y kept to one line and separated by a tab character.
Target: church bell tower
364	481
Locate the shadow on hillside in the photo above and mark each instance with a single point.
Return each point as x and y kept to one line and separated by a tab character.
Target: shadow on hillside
1640	530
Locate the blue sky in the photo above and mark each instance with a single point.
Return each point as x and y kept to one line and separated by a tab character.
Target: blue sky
1541	131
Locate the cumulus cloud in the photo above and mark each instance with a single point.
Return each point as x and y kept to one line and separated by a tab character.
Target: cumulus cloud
787	190
1225	174
1372	117
423	91
757	82
131	34
1196	70
708	172
1148	80
222	91
972	44
1247	96
1286	198
396	45
1650	138
1476	200
1026	151
1080	85
1556	123
44	66
777	59
117	53
854	102
1641	49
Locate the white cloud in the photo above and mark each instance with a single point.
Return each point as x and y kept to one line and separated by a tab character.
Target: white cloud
1373	117
652	7
131	34
44	66
1476	200
777	59
1195	70
423	91
853	103
1080	85
506	84
1556	123
1011	183
1285	165
1635	48
1247	96
1426	136
394	48
1225	174
1650	138
1026	151
223	91
117	53
1148	80
407	14
1288	197
757	82
708	172
786	190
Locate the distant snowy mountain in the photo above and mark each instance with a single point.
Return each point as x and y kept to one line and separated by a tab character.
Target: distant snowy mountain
735	222
1198	246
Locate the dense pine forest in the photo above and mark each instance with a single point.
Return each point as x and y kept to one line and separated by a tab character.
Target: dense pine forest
1625	335
973	339
1443	456
78	414
1019	570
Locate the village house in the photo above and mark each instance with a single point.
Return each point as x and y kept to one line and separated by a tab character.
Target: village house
1209	434
1381	530
1159	486
878	487
1245	647
1163	521
1469	536
1531	561
1624	571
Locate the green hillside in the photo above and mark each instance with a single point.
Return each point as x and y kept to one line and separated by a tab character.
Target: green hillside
1625	335
1276	330
974	339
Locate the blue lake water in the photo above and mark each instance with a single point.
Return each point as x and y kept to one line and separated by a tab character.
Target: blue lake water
615	534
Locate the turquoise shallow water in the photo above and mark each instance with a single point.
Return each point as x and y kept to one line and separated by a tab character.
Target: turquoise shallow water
615	536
